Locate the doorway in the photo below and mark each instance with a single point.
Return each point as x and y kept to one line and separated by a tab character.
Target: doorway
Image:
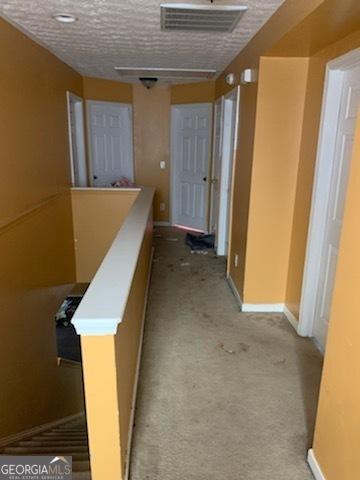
110	142
75	110
225	139
339	113
190	154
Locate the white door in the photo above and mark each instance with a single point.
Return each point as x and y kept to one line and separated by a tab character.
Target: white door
227	161
216	168
349	107
190	152
111	142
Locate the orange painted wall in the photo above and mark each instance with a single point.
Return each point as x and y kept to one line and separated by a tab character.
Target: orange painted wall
97	215
285	18
201	92
337	433
107	90
152	143
36	238
151	117
110	365
280	107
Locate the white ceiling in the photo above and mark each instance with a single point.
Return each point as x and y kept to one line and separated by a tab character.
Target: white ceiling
126	33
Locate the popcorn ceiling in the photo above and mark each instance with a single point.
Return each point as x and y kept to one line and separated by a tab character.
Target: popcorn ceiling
127	33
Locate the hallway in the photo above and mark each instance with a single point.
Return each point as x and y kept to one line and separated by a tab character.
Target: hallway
222	394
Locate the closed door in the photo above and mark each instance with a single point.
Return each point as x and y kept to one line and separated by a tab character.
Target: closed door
216	169
349	107
111	149
190	152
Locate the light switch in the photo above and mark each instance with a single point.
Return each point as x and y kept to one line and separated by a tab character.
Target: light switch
162	206
162	165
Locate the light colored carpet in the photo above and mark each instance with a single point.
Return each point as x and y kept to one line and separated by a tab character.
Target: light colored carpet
67	439
222	394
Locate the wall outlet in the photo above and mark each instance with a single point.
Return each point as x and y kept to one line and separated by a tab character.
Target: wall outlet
162	206
162	165
236	260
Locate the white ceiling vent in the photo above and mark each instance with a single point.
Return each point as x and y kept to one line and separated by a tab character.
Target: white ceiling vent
200	18
168	74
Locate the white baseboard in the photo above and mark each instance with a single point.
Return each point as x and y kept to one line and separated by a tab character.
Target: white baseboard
314	466
234	290
138	361
263	307
292	319
16	437
271	308
162	224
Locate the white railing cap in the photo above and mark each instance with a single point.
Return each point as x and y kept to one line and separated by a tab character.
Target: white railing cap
104	303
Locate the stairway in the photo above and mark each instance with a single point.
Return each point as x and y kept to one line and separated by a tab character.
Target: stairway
65	439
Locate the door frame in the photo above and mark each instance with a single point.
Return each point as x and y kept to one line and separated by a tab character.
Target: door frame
80	135
88	105
227	189
218	104
321	186
172	154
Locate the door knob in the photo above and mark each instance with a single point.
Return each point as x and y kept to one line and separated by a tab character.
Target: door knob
205	178
95	177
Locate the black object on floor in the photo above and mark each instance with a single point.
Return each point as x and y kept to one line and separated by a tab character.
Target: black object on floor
68	341
200	242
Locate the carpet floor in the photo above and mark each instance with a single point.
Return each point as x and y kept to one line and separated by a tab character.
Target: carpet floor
222	394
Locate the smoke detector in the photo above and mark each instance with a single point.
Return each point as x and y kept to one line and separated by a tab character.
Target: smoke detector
200	18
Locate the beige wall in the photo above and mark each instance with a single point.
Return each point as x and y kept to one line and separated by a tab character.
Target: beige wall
97	217
37	257
109	364
152	143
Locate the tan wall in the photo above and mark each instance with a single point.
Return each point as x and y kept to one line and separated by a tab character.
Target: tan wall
152	143
97	217
192	93
109	364
107	90
337	434
37	258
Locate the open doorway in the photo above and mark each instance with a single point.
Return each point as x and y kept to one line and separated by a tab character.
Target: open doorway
339	114
225	139
78	168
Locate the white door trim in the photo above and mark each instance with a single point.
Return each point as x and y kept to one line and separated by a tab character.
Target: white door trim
218	104
88	104
226	188
172	155
326	151
80	136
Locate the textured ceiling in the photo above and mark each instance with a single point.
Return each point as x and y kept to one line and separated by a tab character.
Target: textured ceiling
126	33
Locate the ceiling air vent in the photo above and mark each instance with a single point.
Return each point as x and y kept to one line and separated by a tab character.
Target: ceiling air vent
200	18
167	74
